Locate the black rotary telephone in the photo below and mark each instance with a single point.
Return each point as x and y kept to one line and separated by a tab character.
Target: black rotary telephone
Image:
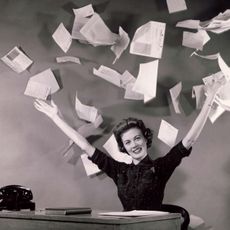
16	197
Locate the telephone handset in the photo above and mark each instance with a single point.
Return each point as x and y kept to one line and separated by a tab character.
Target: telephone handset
16	197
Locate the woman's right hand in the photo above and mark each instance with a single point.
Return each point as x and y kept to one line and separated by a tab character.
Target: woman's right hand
51	110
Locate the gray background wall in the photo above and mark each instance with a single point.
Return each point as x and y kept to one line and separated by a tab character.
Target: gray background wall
31	144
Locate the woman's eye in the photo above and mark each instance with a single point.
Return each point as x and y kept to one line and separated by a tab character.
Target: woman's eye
128	142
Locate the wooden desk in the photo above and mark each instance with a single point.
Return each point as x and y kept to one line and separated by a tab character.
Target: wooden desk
30	220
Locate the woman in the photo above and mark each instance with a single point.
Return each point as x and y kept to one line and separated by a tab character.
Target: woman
140	184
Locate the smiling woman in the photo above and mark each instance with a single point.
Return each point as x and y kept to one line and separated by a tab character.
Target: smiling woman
140	184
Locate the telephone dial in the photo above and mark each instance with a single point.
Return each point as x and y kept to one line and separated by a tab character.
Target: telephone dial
16	197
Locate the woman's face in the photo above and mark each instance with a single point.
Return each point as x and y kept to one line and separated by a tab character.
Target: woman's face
135	143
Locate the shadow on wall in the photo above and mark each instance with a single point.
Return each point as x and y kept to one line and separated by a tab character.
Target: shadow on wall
174	188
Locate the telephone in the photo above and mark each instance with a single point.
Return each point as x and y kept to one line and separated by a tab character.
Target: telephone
16	197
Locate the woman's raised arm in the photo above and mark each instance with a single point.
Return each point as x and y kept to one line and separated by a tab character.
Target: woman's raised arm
194	132
51	110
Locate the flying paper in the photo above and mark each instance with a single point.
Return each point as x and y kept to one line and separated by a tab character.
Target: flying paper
97	33
146	81
127	78
64	59
90	129
167	133
175	96
195	40
216	112
85	112
121	44
108	74
84	11
90	167
81	18
112	148
176	5
223	66
37	90
198	93
62	37
42	84
17	60
148	40
218	24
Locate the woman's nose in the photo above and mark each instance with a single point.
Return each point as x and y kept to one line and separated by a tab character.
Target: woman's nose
133	144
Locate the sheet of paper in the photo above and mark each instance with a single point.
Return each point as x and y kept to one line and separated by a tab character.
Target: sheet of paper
67	147
223	66
78	23
62	37
146	82
148	40
90	167
70	155
190	24
132	95
81	18
167	133
225	104
218	24
175	96
195	40
90	129
209	57
84	11
121	44
37	90
176	5
85	112
108	74
134	213
47	78
216	112
127	78
64	59
198	93
112	148
224	93
97	33
17	60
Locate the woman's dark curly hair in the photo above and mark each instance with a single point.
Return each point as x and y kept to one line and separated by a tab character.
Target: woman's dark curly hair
129	123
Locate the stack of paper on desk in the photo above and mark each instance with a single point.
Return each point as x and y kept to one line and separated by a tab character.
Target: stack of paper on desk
134	213
67	210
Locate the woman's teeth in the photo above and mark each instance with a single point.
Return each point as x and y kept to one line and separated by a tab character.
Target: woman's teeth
136	150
